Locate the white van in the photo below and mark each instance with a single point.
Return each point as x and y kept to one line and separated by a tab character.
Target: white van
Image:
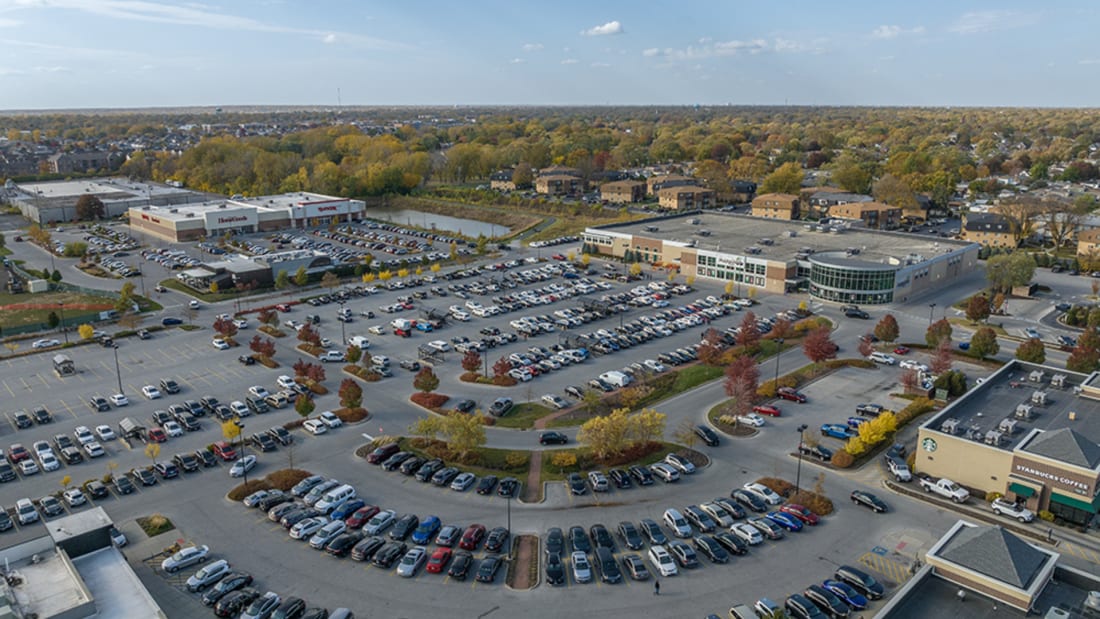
676	521
359	341
334	498
616	378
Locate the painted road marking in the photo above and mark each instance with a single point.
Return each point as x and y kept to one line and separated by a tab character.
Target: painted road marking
1080	552
8	387
893	570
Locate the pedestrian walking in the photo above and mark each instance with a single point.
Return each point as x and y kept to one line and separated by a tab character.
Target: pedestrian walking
656	587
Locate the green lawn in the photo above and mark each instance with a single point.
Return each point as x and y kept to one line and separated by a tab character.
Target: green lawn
10	318
523	415
490	461
585	461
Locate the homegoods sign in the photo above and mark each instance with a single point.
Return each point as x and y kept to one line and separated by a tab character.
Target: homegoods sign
1065	480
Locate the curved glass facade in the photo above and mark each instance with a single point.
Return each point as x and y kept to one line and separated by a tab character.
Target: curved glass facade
863	284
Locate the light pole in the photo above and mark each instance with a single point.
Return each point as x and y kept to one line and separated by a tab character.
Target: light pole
118	370
240	452
61	308
931	308
798	475
510	517
343	335
779	350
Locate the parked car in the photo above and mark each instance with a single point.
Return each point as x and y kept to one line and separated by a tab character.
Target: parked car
872	502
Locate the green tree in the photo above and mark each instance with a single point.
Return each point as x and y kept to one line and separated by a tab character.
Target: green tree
351	394
977	308
301	278
1032	350
462	433
56	276
1009	270
425	380
893	191
74	249
937	332
125	301
984	343
887	329
282	280
53	320
787	178
354	354
304	406
1085	357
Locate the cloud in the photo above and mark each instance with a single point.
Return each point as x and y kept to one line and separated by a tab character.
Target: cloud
329	38
893	32
570	61
517	61
977	22
736	47
651	52
196	15
601	65
532	47
611	27
9	23
1089	61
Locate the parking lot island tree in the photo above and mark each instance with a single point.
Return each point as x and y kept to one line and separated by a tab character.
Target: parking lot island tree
984	343
938	332
941	359
309	335
887	329
85	331
351	394
425	380
818	345
225	327
268	317
262	346
471	361
462	433
742	382
1032	350
304	406
353	354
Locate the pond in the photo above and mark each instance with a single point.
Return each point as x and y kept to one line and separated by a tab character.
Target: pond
442	223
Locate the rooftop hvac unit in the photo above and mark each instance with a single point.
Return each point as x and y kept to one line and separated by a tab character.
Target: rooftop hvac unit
1058	380
1093	600
1036	376
993	437
1039	397
1008	426
1023	411
950	426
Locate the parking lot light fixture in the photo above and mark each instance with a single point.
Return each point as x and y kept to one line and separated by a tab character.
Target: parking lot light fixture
931	308
798	474
64	331
343	334
118	370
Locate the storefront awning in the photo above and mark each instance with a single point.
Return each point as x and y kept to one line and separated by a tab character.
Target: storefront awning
1021	490
1075	503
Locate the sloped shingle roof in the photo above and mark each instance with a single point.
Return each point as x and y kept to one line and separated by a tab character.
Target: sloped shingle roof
996	553
1066	445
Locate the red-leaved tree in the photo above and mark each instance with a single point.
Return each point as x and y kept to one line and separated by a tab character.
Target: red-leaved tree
315	372
782	328
262	346
749	334
941	360
471	361
309	335
710	350
818	345
225	327
742	380
300	367
351	394
866	347
502	367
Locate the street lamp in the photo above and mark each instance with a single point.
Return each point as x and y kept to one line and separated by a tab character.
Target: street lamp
240	451
798	475
343	335
931	308
61	308
118	370
779	350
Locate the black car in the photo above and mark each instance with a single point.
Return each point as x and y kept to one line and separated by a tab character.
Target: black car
281	434
578	539
144	477
576	484
708	436
749	500
7	473
601	537
555	570
188	463
170	322
460	565
410	365
228	584
246	360
96	489
596	383
206	457
122	484
486	484
817	451
364	550
683	554
71	455
711	548
731	506
869	410
209	402
404	527
223	413
862	581
875	504
620	478
574	392
342	544
291	608
395	460
508	487
827	601
389	554
496	540
275	514
412	465
166	470
642	475
22	420
188	421
731	543
653	532
425	471
628	533
315	613
444	476
41	416
294	517
233	603
553	438
555	541
263	441
466	406
487	571
169	385
801	608
99	404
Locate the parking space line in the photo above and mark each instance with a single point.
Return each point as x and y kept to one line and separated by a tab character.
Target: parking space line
43	379
25	385
6	386
893	570
1083	553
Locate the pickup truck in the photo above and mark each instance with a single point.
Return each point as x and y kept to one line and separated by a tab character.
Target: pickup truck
1007	508
898	468
945	488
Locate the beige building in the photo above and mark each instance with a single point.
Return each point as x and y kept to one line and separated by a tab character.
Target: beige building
872	214
686	198
1088	249
776	206
988	229
654	184
559	185
623	192
501	180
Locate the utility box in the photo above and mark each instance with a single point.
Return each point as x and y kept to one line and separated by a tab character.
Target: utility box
38	285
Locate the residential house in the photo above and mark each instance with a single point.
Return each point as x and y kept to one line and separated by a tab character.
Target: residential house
655	184
776	206
1088	249
686	198
824	198
559	185
623	192
872	214
501	180
84	161
989	229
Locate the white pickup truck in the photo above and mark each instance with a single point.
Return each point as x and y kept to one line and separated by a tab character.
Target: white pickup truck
945	488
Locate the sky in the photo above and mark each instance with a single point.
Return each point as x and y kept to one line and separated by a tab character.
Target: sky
65	54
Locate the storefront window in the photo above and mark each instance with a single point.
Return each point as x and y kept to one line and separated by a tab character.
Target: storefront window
851	284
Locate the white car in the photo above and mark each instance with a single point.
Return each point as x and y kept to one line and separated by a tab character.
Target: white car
94	449
380	522
45	343
242	466
286	382
208	575
151	392
913	364
119	399
193	304
440	345
28	467
752	419
463	481
239	408
74	497
881	357
654	365
334	356
49	461
173	429
767	494
326	343
554	401
293	324
582	569
25	511
325	534
105	433
411	562
306	528
186	557
220	344
315	426
662	561
748	533
241	323
377	330
258	391
330	419
83	435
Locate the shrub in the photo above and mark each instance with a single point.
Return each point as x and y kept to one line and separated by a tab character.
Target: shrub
781	487
818	504
242	490
992	496
351	415
429	400
285	479
1046	516
842	459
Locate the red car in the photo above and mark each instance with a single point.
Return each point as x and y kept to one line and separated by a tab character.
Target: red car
359	517
472	537
764	409
558	257
439	560
401	332
283	307
788	393
18	453
800	512
901	350
157	435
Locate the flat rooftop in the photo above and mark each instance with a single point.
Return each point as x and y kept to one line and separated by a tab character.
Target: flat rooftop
985	406
732	234
107	189
194	210
49	586
935	597
287	200
115	587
